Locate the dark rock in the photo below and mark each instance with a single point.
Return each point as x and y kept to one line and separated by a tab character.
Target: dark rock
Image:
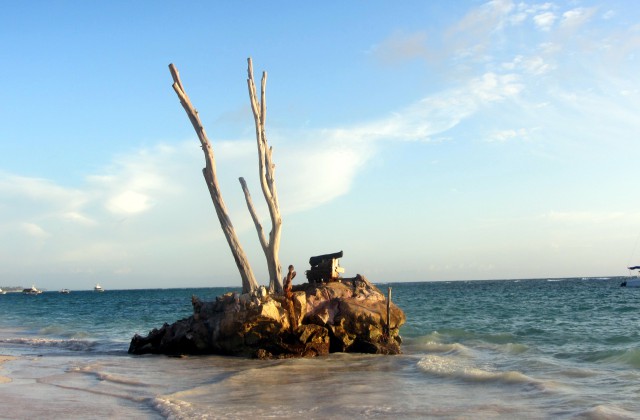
348	315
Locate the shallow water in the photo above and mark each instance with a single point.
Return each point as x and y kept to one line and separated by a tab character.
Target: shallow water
482	349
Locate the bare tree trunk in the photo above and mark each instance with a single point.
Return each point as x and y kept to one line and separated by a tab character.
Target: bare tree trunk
271	247
249	282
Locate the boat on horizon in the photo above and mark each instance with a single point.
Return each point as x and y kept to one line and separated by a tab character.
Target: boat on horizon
632	281
2	292
65	291
98	288
33	290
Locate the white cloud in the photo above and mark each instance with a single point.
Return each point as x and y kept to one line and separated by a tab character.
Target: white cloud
129	202
320	173
79	218
534	65
576	17
34	230
38	189
507	135
494	87
545	20
330	159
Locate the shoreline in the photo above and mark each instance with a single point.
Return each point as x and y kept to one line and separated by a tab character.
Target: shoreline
3	358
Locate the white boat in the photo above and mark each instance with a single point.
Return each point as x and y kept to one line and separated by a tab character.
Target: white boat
65	291
98	288
31	291
632	281
2	292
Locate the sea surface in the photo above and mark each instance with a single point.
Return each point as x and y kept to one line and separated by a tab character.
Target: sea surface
544	348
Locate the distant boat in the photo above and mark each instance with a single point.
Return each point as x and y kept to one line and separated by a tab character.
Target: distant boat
31	291
2	292
98	288
65	291
632	281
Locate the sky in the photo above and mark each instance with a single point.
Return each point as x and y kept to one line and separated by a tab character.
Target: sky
429	141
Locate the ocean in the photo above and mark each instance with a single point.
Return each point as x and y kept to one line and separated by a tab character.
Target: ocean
543	348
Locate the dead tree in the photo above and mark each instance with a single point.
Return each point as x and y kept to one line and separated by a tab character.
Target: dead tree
249	282
271	247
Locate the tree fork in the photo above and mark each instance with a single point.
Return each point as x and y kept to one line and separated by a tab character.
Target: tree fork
271	247
249	282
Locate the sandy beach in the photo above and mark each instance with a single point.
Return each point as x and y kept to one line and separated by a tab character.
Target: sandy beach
4	379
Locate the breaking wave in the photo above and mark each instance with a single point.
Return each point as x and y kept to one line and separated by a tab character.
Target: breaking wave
630	357
48	343
460	369
606	412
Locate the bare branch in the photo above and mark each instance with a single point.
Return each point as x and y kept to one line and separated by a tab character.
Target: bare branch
267	180
254	215
249	282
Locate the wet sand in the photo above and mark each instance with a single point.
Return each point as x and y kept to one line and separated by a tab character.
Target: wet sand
4	379
66	387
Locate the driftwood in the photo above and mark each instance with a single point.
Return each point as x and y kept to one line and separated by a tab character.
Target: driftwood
270	247
288	296
249	282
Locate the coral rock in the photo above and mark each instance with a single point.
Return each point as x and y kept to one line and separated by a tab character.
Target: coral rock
342	316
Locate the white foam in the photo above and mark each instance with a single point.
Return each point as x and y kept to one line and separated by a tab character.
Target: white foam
456	348
174	409
607	412
71	344
462	369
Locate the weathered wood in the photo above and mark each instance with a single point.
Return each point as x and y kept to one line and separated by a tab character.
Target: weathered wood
249	282
254	215
271	247
288	294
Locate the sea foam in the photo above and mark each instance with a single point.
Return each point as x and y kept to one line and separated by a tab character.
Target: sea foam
462	369
71	344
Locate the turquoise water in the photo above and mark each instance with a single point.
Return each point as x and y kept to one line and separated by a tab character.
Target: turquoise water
567	348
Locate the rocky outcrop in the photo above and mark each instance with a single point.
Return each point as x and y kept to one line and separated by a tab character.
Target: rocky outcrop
348	315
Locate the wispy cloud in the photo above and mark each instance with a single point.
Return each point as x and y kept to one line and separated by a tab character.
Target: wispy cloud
581	217
508	91
333	157
576	17
534	65
34	230
545	20
502	136
401	47
143	189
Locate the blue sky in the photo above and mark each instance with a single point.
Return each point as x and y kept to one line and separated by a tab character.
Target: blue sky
428	140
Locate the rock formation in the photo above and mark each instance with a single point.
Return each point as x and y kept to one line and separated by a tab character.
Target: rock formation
346	315
329	314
